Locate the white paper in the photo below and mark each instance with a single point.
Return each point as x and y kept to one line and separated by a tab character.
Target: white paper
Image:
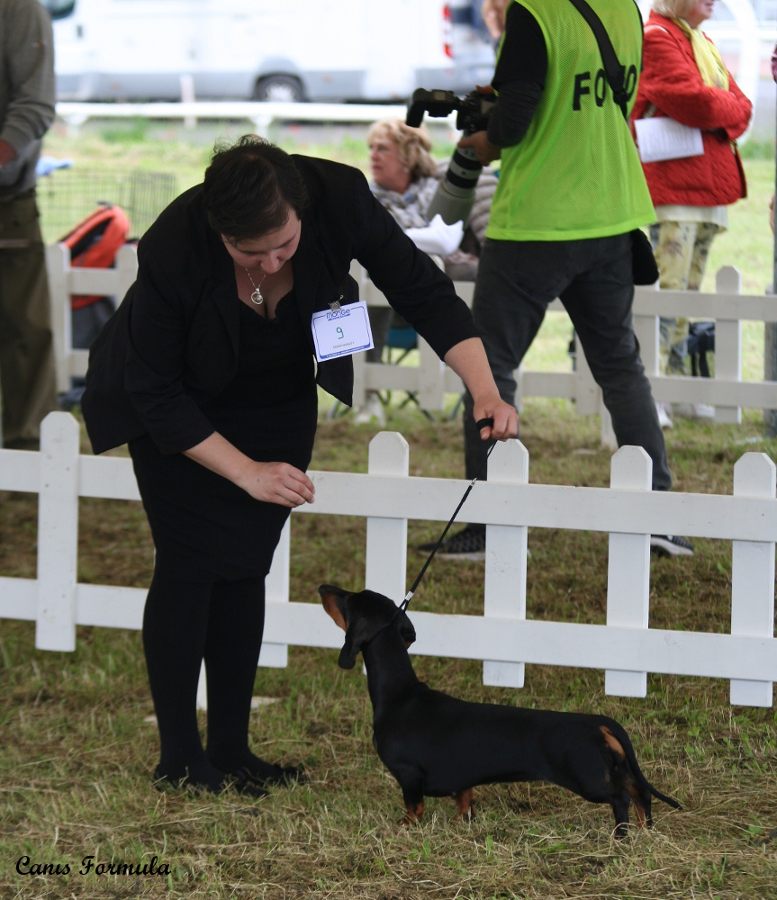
342	331
437	237
660	138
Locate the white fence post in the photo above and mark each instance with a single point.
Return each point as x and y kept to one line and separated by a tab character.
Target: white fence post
359	379
588	394
57	266
386	554
276	590
57	533
728	343
431	377
647	330
606	431
752	576
628	575
506	557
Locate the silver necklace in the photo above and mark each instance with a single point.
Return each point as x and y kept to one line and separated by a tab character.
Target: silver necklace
256	295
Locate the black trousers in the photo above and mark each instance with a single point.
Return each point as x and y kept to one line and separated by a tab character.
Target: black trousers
515	283
184	623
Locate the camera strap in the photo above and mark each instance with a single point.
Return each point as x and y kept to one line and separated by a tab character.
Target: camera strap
614	71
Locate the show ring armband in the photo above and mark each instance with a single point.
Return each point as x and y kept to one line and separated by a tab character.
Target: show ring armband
341	330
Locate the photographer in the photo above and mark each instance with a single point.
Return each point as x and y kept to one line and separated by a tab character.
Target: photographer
571	189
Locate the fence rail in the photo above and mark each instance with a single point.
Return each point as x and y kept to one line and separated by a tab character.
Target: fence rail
503	637
432	382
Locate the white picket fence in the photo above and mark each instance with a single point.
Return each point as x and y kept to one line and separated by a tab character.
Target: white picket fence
433	382
503	637
726	391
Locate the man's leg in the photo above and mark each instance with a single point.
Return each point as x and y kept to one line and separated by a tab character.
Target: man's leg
26	349
515	283
674	255
599	302
705	235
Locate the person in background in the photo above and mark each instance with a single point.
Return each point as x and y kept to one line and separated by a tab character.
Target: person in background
685	78
26	113
571	190
404	180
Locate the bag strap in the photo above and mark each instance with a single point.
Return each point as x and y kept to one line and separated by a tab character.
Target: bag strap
614	71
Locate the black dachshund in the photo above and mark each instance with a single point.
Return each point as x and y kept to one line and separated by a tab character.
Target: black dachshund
436	745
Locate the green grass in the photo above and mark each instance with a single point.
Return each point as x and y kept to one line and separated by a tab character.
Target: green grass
78	748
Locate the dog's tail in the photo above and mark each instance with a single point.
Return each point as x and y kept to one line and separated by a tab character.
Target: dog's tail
616	734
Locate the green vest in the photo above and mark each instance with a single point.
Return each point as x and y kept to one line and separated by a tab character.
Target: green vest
576	173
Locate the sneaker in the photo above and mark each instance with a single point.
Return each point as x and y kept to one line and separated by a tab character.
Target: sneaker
664	419
694	410
467	544
371	411
670	545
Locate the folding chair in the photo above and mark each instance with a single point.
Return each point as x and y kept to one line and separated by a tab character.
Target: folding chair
402	338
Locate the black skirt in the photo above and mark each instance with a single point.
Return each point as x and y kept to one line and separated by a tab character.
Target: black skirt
203	526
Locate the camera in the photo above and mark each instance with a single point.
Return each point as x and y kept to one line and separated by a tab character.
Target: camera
455	194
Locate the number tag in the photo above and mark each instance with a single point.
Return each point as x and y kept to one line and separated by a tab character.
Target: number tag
342	331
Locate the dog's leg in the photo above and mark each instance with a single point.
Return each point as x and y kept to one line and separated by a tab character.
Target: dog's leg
413	796
414	810
642	804
620	808
464	804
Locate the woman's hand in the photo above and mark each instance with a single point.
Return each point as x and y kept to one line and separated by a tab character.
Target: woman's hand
272	482
276	482
468	361
504	415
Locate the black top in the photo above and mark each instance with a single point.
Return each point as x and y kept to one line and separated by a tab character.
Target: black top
519	77
275	366
203	525
173	342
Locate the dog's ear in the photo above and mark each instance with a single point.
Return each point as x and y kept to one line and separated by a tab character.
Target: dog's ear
333	599
349	652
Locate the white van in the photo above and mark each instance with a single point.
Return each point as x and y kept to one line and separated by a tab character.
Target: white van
262	49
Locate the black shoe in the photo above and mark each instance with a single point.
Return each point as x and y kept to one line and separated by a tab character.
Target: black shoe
282	776
468	544
670	545
246	767
220	785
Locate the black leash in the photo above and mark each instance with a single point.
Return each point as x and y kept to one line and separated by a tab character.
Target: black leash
481	423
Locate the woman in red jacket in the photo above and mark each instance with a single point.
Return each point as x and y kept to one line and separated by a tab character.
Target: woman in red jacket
685	79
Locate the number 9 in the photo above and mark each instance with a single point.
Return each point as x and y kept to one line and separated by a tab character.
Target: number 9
340	333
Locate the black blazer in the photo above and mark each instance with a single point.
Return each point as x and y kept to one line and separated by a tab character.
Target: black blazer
173	341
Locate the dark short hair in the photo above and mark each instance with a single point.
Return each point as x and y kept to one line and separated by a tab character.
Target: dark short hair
249	188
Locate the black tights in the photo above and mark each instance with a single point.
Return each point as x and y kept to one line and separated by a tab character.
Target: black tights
221	622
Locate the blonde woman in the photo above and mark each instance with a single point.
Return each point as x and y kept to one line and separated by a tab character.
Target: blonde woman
685	78
404	181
